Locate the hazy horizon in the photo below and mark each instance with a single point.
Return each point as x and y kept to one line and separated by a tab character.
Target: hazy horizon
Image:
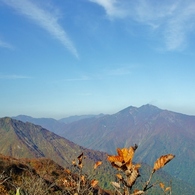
77	115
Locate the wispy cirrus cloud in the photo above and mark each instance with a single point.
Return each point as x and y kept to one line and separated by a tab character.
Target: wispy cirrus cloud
119	71
6	45
173	20
43	18
103	74
82	78
13	76
85	94
113	8
180	26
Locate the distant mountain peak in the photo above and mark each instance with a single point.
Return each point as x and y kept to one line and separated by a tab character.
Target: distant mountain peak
24	116
149	106
128	110
146	109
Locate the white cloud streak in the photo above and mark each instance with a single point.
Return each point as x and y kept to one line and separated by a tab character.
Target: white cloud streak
83	78
179	27
112	7
44	19
13	77
174	20
119	72
122	71
6	45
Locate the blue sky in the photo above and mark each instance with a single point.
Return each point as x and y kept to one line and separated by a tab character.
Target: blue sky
62	58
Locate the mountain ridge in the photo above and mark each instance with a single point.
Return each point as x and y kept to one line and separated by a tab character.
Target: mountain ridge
35	141
155	130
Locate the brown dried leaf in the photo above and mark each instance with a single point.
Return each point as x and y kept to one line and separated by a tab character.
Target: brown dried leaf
74	162
137	166
117	165
124	159
162	185
65	181
126	192
67	171
82	178
128	172
128	165
119	151
115	184
128	154
132	177
97	164
115	158
138	192
119	176
162	161
167	189
124	155
94	182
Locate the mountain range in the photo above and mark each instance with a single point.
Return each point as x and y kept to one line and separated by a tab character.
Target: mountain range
27	140
155	131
